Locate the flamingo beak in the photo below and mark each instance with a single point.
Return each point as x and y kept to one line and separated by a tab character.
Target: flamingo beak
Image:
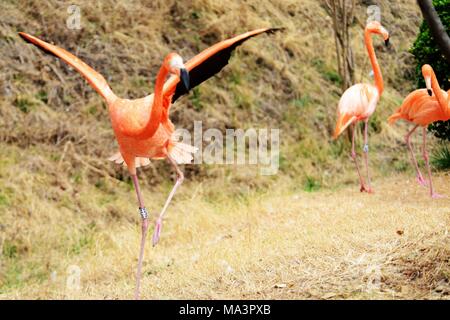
385	35
184	76
428	83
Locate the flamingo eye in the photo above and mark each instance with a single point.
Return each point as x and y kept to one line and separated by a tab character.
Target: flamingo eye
176	63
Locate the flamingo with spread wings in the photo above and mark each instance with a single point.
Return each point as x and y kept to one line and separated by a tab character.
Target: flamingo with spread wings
142	127
421	108
359	101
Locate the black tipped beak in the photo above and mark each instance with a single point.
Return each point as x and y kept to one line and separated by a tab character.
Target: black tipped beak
386	42
430	92
184	76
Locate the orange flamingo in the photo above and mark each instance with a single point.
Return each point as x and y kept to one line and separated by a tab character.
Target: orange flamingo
360	100
421	107
142	127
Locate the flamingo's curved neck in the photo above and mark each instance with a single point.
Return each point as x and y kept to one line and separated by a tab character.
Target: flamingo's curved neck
373	60
157	107
443	103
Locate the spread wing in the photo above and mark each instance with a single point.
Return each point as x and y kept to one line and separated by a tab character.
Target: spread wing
208	63
94	78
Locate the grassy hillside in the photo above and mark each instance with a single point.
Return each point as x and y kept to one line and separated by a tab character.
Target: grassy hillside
62	203
287	81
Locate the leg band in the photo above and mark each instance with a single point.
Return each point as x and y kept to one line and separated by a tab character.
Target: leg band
366	148
143	212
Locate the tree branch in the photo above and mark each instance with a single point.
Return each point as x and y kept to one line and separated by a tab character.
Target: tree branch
437	28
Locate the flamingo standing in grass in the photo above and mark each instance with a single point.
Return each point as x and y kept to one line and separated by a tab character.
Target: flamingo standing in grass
421	108
142	127
360	100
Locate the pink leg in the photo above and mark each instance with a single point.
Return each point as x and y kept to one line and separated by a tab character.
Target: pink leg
180	178
144	216
366	154
427	162
353	155
420	178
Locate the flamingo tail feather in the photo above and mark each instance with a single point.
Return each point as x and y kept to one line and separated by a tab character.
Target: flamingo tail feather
393	118
183	153
343	122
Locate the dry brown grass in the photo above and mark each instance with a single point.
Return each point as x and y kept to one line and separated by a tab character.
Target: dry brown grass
230	232
282	243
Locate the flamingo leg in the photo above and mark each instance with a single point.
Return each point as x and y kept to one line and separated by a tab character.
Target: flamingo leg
427	162
366	154
420	178
180	178
144	215
355	159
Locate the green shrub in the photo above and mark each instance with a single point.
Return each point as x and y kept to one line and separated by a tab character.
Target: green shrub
24	104
441	158
426	51
311	184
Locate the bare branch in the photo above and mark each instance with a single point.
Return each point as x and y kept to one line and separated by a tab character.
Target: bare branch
342	15
437	28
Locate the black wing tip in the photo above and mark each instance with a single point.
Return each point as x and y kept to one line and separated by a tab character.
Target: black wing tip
260	32
26	38
274	30
225	54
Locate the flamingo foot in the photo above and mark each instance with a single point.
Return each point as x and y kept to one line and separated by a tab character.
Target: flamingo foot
157	232
437	196
365	189
421	181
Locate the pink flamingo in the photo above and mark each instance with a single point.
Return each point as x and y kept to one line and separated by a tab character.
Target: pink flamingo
142	127
359	101
421	108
